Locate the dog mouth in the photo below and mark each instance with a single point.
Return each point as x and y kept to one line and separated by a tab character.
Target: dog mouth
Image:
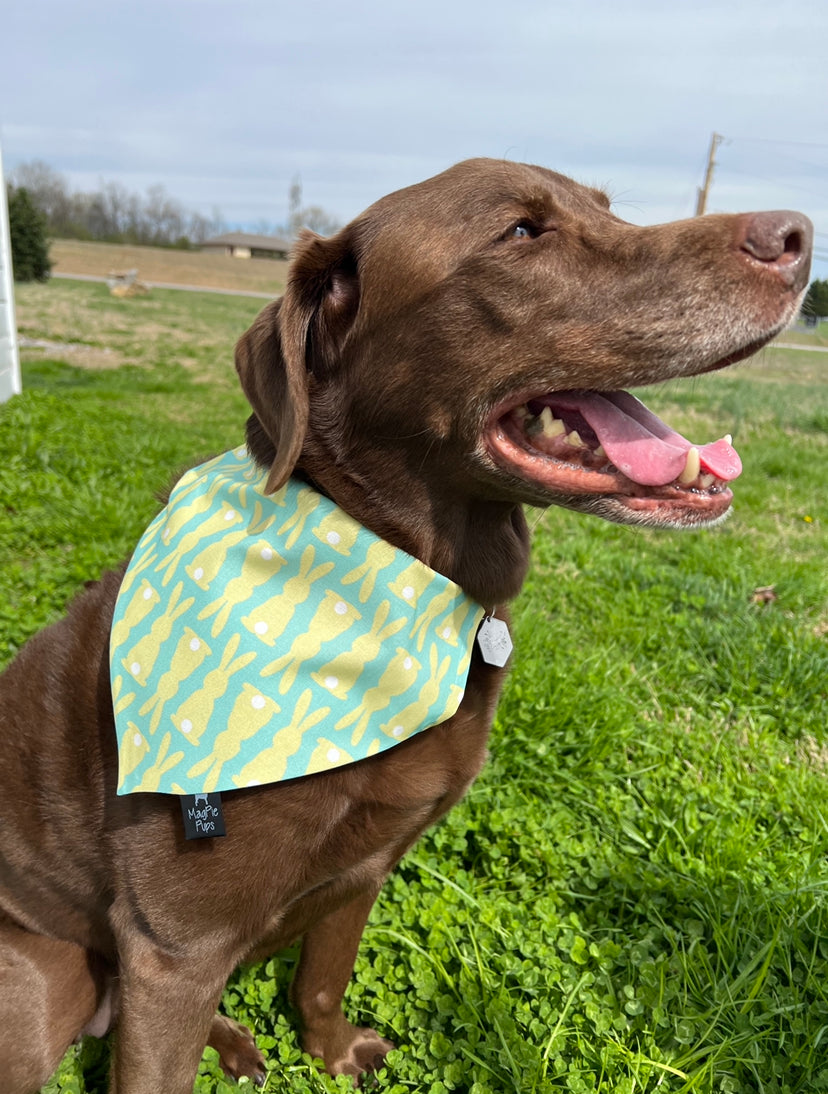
605	451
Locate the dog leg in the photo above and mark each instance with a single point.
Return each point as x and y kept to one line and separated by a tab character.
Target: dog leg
167	1012
49	991
326	963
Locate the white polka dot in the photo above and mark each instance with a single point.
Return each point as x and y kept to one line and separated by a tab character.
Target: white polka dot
397	731
147	593
195	645
333	538
340	607
331	682
198	573
257	702
407	663
254	782
260	627
267	553
230	515
446	632
333	755
134	668
137	740
408	593
186	725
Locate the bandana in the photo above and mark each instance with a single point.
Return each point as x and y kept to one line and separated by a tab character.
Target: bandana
264	637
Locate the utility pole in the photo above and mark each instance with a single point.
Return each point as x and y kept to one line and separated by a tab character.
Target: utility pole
701	201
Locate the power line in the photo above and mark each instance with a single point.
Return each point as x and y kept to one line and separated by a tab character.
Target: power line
769	140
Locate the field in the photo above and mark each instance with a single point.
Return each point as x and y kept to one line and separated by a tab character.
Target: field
634	895
72	256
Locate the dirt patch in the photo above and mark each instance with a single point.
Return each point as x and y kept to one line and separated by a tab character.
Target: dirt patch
74	353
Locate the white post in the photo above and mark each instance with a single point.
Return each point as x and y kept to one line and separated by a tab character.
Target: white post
9	359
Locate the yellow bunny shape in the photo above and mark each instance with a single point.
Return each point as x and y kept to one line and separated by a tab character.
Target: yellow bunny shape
143	601
411	583
398	677
152	776
306	501
175	520
143	561
261	563
226	517
131	751
195	712
190	652
340	675
205	567
337	531
331	619
140	660
250	713
378	556
267	621
269	765
327	755
435	607
414	715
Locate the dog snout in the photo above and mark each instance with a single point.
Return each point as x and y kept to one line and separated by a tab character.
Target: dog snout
781	241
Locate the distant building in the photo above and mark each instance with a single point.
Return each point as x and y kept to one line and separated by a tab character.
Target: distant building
245	245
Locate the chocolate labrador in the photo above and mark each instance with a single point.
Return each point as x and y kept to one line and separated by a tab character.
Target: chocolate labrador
458	351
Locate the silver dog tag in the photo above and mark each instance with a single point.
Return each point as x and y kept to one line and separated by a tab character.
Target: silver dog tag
494	641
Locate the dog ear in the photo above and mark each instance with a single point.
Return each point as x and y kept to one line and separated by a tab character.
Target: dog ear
300	335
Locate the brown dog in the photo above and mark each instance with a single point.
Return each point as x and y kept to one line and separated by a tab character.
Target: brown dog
407	373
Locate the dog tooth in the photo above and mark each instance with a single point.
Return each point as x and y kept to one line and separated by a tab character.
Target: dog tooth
706	481
600	453
728	437
691	467
552	426
574	438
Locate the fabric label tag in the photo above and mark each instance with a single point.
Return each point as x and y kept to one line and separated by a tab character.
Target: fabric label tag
203	817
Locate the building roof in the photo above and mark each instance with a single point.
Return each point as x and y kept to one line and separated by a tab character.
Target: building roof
245	239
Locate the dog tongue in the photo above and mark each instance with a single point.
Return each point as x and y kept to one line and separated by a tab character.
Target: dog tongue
640	445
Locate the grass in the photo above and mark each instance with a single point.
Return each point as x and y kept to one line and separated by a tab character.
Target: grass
633	897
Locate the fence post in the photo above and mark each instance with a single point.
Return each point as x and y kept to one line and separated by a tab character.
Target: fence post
9	359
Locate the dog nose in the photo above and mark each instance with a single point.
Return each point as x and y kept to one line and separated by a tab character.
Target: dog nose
781	241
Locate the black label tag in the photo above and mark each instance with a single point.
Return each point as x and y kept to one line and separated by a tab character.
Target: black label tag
203	817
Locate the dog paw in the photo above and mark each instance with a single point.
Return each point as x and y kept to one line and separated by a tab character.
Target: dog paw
366	1053
238	1055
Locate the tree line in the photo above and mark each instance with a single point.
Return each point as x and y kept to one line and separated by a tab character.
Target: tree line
112	213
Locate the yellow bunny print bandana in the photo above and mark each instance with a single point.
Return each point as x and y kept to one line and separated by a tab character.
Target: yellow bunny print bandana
264	637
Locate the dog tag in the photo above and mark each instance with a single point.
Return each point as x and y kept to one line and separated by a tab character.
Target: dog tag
494	641
203	817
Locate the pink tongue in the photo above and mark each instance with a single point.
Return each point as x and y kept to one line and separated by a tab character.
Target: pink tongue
640	445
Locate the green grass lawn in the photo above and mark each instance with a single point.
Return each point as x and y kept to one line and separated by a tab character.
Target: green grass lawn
634	895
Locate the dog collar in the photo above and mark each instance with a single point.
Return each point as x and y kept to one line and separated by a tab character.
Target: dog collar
263	637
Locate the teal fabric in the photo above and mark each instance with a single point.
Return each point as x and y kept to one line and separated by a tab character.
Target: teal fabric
264	637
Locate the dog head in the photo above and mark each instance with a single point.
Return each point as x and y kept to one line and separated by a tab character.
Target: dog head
471	337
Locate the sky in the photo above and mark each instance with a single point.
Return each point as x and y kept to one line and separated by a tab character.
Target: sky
225	102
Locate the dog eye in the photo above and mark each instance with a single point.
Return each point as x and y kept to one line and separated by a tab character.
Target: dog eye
524	230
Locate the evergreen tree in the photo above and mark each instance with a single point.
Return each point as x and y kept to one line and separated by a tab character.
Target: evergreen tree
816	299
29	246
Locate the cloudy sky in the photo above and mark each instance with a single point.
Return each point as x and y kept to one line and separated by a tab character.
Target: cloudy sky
225	101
